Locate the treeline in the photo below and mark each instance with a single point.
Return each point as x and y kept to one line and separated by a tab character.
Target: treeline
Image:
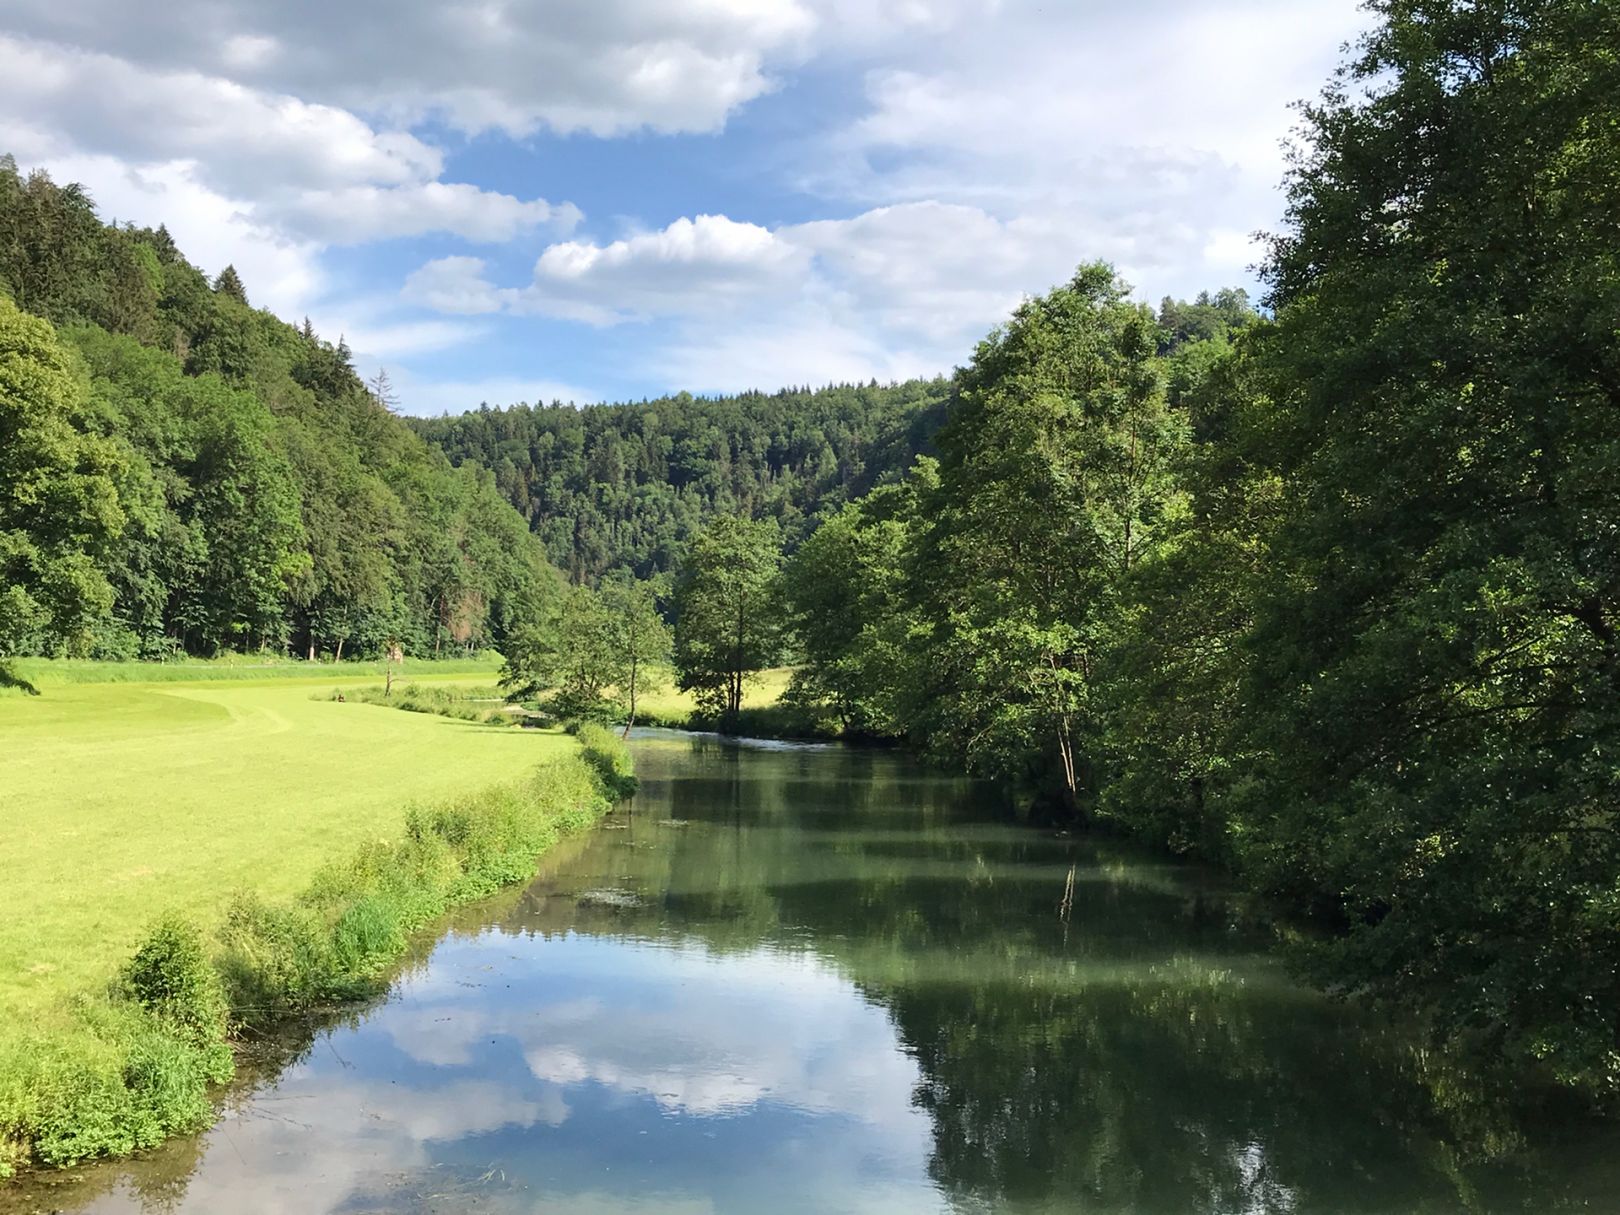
622	489
1335	599
182	472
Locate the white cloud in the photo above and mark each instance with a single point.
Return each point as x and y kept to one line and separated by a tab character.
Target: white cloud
240	137
359	214
311	171
892	292
692	266
598	66
457	285
282	272
308	1144
724	1048
804	347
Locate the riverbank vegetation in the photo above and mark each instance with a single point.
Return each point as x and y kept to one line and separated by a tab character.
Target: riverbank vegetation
136	1065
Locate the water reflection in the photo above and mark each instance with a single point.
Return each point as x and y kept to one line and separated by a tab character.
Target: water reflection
816	980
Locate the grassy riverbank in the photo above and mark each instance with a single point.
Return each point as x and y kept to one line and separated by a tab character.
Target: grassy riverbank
125	802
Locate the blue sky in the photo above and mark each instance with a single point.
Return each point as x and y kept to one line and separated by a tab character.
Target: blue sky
605	199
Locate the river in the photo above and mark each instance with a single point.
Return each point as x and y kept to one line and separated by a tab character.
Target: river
808	979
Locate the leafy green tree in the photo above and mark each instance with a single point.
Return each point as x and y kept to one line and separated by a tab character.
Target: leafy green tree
267	497
1433	690
623	489
1172	681
59	510
641	639
728	612
1055	479
570	659
845	591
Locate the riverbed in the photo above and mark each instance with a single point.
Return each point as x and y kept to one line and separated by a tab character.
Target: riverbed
813	979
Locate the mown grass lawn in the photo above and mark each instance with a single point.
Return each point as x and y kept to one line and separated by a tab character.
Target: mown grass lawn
121	801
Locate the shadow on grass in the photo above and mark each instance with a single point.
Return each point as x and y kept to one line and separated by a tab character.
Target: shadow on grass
10	679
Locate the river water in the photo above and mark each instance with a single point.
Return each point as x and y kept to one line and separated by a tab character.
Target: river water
808	979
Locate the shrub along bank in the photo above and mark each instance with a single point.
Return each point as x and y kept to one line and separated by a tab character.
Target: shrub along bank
139	1065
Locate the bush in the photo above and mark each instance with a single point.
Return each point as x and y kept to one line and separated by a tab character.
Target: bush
171	977
123	1078
780	720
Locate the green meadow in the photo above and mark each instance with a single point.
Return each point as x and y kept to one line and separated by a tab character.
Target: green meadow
667	705
122	801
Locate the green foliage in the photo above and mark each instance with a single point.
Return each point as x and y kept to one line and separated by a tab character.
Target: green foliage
572	657
846	593
126	1082
1055	483
608	757
622	490
59	512
137	1070
171	978
728	612
220	480
1433	676
641	640
1334	596
334	944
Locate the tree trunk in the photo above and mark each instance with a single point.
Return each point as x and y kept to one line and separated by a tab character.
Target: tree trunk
338	657
1071	783
630	720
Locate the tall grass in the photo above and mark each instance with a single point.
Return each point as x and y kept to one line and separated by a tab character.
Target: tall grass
138	1062
608	757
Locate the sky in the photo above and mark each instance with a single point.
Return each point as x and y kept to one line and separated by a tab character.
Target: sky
588	200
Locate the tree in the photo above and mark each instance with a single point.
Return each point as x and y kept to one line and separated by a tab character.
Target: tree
229	283
569	658
1172	682
263	491
1055	478
641	639
623	489
728	614
1434	666
845	591
59	510
381	388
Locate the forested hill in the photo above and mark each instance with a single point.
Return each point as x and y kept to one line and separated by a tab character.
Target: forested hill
624	487
181	471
